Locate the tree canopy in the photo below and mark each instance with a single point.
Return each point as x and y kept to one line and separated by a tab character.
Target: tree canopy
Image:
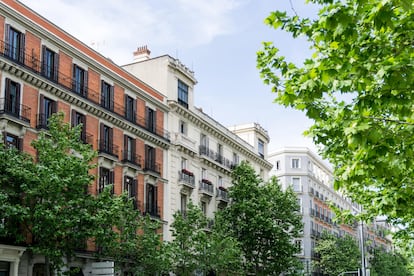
338	254
357	87
265	221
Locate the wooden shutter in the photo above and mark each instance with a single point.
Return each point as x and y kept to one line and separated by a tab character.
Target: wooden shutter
156	200
134	188
112	181
44	68
100	181
22	47
6	35
111	97
56	67
42	104
73	118
102	93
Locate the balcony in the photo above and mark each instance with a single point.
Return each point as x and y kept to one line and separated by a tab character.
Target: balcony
131	158
222	195
18	111
206	188
108	148
152	167
33	63
42	121
186	179
152	210
216	157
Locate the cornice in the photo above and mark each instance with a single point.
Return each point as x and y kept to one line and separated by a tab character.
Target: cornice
74	52
80	102
206	126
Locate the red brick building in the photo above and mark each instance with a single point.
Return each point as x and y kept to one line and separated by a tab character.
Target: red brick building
44	70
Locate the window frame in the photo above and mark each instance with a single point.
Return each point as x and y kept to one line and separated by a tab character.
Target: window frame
80	80
50	63
182	93
107	95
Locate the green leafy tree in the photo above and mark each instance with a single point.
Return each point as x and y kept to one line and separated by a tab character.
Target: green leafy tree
265	222
338	255
188	247
196	246
60	212
357	87
45	204
388	263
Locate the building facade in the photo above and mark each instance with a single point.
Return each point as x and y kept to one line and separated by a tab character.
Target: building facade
203	152
312	181
44	70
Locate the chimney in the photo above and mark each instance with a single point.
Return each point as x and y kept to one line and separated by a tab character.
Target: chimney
142	53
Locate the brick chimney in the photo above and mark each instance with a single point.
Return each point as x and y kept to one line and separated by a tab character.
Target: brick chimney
142	53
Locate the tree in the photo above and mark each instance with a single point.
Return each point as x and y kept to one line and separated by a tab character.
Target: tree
388	263
265	221
338	255
45	202
198	247
358	89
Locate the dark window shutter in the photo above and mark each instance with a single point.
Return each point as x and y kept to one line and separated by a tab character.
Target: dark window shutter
156	199
56	67
8	82
111	136
154	121
20	144
73	118
134	188
54	107
126	105
102	93
44	69
112	181
7	33
100	182
111	97
22	47
42	104
101	136
74	77
133	147
85	84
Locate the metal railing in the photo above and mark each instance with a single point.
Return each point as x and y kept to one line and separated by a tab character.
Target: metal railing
14	109
33	63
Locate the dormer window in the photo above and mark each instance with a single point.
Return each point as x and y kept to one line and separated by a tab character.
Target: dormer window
182	94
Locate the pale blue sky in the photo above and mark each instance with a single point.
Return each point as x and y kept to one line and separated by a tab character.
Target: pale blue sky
218	39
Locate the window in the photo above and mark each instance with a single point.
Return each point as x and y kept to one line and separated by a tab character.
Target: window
277	165
80	81
183	204
106	139
151	200
235	159
106	178
182	94
130	107
79	119
295	163
299	246
12	141
220	181
15	43
47	108
130	188
204	144
50	64
299	201
219	157
183	127
129	149
261	148
150	158
203	173
12	100
296	185
107	95
183	163
150	119
204	207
